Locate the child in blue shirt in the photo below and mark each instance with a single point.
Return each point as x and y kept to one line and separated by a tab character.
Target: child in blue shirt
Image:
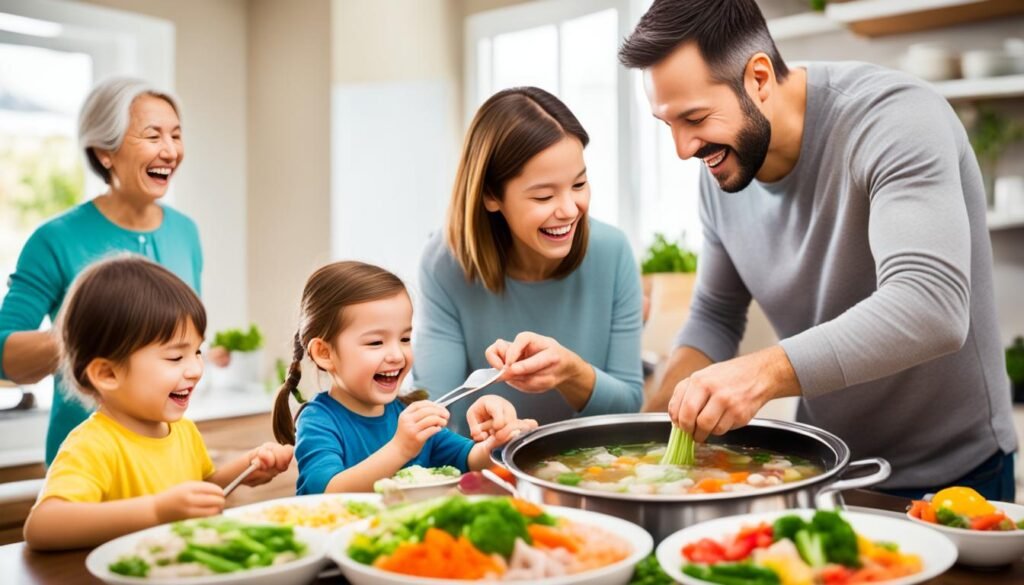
356	325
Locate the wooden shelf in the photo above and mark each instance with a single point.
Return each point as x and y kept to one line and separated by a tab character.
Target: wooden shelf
998	221
873	18
1007	86
801	25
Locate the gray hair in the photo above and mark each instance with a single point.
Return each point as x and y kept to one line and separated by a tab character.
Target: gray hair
106	113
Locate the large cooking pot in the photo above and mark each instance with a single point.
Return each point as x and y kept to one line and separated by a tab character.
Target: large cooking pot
662	515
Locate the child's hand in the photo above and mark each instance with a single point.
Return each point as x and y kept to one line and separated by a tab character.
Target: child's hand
493	416
272	459
192	499
417	423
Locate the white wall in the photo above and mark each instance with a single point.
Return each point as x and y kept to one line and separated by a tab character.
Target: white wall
396	74
1007	245
288	160
210	80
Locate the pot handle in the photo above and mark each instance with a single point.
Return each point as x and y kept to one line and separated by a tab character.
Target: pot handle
828	497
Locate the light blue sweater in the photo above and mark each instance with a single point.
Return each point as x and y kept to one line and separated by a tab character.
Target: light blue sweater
54	255
594	312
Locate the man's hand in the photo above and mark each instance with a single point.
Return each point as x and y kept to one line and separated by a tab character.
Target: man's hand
726	395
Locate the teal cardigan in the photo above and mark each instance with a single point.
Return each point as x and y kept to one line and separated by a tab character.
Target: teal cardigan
54	255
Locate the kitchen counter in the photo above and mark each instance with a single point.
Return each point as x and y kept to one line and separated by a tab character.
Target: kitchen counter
25	432
24	566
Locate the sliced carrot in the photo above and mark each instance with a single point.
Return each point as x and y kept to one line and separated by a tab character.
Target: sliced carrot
928	514
551	537
528	509
440	555
503	473
916	506
708	485
738	476
626	460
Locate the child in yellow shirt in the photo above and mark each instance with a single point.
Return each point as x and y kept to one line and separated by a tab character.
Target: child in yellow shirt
131	333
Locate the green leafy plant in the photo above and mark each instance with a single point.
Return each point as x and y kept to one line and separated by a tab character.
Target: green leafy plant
666	256
818	5
238	340
1015	360
991	132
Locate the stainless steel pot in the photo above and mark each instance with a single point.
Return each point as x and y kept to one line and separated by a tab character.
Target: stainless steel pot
662	515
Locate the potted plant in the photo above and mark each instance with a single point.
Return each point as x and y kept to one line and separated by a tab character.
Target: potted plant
991	133
1015	367
244	366
669	274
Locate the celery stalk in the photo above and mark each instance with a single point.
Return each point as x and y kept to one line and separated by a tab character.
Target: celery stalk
680	448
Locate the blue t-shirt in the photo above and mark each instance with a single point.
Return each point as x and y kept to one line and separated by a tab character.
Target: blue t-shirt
330	438
54	255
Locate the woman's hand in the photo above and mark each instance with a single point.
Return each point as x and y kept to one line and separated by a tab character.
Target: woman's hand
272	460
493	416
417	423
535	363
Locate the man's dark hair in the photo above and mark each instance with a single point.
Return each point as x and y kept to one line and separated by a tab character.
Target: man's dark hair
727	32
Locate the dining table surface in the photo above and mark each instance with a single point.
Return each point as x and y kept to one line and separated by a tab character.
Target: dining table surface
19	565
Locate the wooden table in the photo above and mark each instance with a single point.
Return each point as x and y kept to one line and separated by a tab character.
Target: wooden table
18	565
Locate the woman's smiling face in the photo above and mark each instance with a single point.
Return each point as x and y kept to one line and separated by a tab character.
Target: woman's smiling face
543	206
150	152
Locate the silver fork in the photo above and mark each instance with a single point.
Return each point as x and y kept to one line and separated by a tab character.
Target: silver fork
475	382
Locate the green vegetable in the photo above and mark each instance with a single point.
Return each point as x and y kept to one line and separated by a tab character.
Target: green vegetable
733	574
237	340
492	525
761	457
787	527
569	479
649	572
680	449
947	517
361	509
665	256
1015	360
811	547
215	563
889	546
840	541
130	567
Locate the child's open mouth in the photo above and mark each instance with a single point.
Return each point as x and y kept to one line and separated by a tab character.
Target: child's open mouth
389	379
180	397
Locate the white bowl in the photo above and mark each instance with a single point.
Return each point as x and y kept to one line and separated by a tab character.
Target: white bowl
615	574
936	551
302	570
419	492
984	548
254	512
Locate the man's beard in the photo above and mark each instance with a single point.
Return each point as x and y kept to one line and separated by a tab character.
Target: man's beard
751	147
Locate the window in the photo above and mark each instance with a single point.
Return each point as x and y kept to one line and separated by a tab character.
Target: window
569	47
51	54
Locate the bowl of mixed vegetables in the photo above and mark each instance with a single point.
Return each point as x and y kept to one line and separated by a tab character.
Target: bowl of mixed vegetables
321	511
211	551
457	538
807	547
986	533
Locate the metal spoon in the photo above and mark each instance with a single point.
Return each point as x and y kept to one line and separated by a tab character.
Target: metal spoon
477	380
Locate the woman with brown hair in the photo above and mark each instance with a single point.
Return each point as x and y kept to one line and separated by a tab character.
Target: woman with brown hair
521	260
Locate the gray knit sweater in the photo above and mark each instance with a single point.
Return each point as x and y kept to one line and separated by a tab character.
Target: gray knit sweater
872	261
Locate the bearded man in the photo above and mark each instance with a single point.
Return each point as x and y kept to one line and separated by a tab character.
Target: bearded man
845	198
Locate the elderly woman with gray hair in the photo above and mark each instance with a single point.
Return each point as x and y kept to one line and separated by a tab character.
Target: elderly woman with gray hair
131	135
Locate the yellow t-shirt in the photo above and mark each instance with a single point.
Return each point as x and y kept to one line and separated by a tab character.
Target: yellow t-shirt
101	461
